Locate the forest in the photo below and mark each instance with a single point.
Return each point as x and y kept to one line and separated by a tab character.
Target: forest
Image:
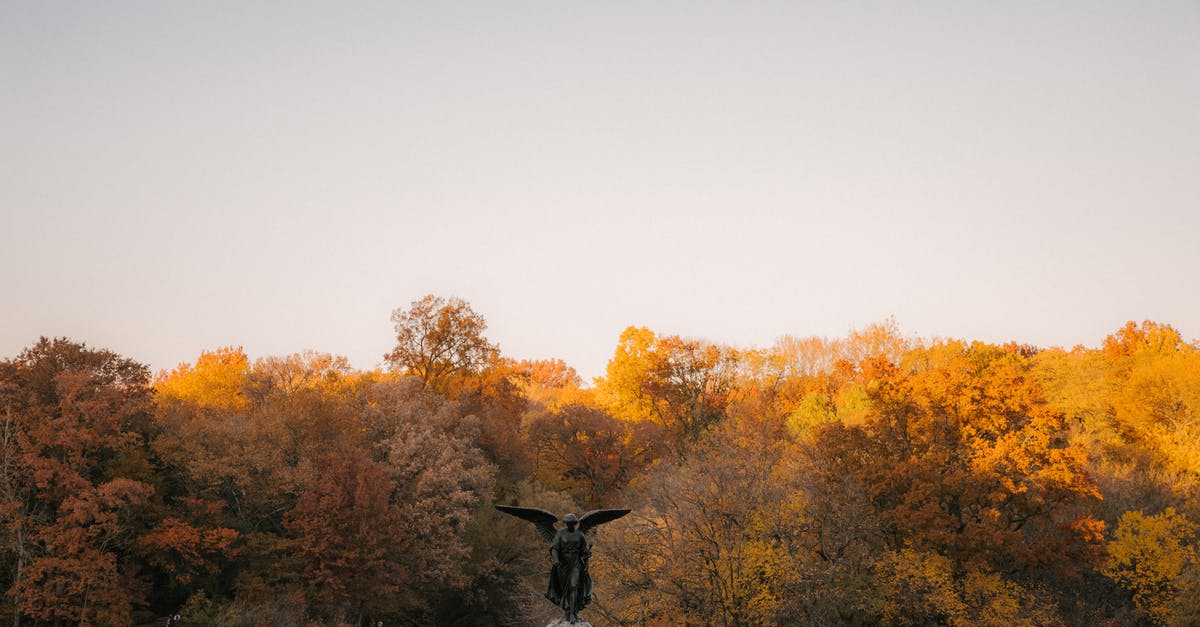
877	478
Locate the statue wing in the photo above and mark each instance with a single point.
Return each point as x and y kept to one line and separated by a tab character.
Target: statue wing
542	519
597	517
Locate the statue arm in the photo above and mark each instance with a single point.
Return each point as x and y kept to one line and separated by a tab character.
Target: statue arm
554	549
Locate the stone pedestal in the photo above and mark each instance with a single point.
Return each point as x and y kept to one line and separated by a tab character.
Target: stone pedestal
562	623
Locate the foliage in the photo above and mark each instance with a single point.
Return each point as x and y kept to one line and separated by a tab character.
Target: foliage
72	417
587	452
967	458
872	479
1155	558
696	548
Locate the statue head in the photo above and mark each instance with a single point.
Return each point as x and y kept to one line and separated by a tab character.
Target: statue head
571	520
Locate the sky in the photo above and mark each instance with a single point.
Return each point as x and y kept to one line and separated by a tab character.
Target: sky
182	176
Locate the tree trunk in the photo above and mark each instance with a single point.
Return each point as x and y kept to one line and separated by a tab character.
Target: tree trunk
16	595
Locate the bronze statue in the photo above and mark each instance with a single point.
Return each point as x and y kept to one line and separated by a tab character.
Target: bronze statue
570	586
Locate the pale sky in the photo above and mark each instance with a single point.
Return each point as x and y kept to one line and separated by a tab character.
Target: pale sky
179	176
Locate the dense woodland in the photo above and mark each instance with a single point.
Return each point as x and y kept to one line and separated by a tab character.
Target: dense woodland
877	478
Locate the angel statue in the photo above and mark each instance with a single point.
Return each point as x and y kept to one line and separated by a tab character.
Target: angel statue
570	586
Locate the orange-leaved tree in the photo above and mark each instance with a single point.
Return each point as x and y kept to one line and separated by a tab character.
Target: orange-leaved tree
72	418
966	458
351	536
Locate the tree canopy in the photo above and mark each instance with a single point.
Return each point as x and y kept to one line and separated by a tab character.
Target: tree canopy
873	479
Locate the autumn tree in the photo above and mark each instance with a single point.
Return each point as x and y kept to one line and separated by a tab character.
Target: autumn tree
495	397
346	527
956	457
289	374
439	338
623	389
74	419
828	526
925	588
441	343
315	397
969	460
700	547
1154	379
589	453
438	477
1155	558
918	589
189	547
549	383
684	385
217	379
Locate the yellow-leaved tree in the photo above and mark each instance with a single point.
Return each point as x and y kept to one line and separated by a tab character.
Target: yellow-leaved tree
684	385
1155	558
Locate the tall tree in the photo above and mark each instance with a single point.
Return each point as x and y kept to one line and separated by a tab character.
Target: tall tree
438	475
439	338
684	385
71	416
350	535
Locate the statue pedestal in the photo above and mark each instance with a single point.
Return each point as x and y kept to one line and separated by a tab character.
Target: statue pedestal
562	623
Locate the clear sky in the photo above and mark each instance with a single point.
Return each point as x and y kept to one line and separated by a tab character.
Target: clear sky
178	176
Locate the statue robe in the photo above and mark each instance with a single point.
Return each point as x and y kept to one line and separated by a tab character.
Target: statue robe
570	586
